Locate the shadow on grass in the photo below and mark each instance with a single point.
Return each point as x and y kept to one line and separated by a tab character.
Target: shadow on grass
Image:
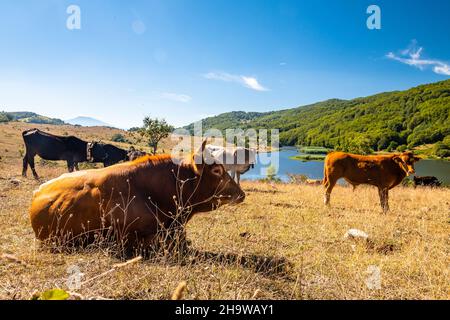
267	265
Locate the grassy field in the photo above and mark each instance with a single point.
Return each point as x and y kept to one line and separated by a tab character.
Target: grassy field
281	243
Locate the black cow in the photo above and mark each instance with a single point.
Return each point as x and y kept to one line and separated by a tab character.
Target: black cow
426	181
133	154
113	154
68	148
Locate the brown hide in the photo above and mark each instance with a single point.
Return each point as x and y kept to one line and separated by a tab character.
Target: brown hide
133	198
383	171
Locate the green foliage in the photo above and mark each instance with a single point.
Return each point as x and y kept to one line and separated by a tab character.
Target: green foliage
309	157
314	150
402	148
118	137
441	150
410	118
5	117
235	119
154	130
53	294
392	146
31	117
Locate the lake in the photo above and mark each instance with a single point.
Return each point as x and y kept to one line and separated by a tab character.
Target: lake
314	169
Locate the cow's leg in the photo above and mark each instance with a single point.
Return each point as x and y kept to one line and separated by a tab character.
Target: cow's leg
25	165
238	177
384	199
329	185
76	166
30	160
70	165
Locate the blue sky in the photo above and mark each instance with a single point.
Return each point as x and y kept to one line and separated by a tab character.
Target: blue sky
185	60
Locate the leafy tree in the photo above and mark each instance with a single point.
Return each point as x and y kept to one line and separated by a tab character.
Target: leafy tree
392	146
441	150
402	148
154	130
5	117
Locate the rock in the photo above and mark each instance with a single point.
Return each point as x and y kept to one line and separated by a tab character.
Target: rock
356	234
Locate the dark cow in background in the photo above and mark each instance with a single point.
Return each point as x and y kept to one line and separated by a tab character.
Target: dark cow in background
67	148
384	171
113	154
133	154
426	181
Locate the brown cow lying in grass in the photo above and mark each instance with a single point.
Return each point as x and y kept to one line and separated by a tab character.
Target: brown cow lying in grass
133	201
384	171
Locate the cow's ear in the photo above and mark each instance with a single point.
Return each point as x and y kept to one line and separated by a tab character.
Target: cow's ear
198	160
416	158
198	155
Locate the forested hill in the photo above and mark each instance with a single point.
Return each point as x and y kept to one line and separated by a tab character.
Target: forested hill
392	120
28	117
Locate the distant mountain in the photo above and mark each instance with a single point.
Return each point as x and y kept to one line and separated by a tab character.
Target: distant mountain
87	122
28	117
385	121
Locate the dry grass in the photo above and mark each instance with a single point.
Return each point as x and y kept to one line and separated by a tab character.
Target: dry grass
281	243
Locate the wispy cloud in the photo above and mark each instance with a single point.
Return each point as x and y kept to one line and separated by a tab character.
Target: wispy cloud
176	97
246	81
412	57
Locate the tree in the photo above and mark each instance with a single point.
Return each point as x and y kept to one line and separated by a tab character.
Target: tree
154	130
5	117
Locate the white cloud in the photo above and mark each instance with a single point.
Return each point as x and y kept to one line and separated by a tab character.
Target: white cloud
184	98
246	81
412	57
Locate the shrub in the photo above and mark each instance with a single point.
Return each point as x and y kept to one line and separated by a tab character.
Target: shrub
117	137
402	148
4	117
392	146
441	150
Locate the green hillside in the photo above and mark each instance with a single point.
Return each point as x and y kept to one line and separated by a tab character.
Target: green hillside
28	117
234	119
387	121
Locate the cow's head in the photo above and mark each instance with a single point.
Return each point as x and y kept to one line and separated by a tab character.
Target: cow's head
96	152
406	162
214	182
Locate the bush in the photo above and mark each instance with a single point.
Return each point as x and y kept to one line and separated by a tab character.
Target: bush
402	148
4	117
117	137
392	146
441	150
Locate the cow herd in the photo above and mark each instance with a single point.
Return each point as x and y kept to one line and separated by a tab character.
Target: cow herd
137	199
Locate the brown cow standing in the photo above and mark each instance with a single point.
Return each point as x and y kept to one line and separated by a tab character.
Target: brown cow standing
134	199
384	171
